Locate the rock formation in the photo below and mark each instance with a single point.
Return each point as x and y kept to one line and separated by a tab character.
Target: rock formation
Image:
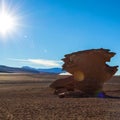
89	71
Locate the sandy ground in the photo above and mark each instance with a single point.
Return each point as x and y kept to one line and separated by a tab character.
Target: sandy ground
28	97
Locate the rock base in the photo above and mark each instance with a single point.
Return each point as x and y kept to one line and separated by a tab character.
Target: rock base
80	94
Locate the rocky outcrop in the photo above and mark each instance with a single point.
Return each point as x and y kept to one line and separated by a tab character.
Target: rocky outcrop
89	71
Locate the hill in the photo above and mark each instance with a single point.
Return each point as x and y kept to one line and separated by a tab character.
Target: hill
27	69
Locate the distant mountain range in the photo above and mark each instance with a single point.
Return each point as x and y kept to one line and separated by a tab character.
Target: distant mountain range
27	69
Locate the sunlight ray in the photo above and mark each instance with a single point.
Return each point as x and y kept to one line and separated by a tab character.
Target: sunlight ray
9	21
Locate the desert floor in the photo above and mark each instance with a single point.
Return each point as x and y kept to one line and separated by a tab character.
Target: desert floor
28	97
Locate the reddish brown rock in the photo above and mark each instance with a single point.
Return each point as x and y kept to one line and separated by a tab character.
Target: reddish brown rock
63	85
89	70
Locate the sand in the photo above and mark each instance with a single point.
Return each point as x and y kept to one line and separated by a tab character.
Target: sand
28	97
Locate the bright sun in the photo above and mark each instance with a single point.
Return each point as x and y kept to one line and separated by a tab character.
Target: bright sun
7	23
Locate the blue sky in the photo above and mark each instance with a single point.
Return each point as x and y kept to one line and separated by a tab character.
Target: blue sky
48	29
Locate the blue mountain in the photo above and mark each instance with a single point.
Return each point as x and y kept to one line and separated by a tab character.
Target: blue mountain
48	70
27	69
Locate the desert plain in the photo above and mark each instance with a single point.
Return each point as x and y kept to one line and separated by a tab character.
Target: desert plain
29	97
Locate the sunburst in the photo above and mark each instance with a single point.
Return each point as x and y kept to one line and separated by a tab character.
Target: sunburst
7	23
8	20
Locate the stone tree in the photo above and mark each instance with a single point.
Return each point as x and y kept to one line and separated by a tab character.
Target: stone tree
89	72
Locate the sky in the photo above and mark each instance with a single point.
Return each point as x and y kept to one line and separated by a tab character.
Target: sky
46	30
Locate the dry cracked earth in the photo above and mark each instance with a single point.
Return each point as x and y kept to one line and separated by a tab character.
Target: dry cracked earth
28	97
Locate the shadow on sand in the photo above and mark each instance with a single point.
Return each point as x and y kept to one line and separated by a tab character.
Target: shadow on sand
102	95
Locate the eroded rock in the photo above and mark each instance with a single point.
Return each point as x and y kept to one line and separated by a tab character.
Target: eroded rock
89	71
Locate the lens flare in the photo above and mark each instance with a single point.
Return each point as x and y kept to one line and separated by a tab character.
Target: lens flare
79	76
9	21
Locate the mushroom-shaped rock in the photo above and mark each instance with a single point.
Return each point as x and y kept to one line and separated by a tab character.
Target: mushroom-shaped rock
89	70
